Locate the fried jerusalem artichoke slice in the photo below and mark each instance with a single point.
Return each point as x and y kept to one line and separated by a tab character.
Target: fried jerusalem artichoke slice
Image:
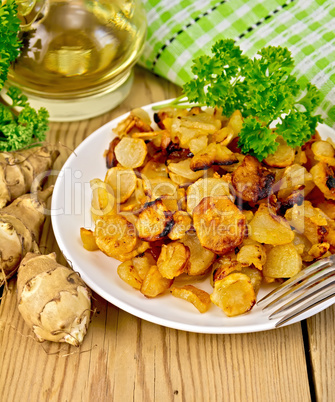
173	259
234	294
53	300
269	228
252	181
154	221
198	297
219	224
213	154
115	236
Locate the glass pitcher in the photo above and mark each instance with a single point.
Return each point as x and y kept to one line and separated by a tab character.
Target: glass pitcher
77	55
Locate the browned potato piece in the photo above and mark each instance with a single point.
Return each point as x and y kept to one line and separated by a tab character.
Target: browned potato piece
143	263
219	224
295	177
310	221
255	276
283	157
208	187
153	169
324	178
269	228
224	266
182	223
200	258
131	152
114	235
128	273
328	207
154	284
213	154
319	250
88	239
122	182
323	152
282	261
136	120
154	221
160	186
198	297
173	259
183	169
252	254
141	247
234	294
252	181
111	160
198	144
103	202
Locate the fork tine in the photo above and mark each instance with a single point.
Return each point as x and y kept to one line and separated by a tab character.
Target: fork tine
305	284
312	269
312	291
302	309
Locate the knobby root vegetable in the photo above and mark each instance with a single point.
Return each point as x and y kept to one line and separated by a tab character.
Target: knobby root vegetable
19	169
20	226
53	299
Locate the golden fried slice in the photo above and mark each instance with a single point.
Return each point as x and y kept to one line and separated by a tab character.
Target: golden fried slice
137	121
122	181
219	224
319	250
282	261
224	266
154	283
183	169
114	235
154	221
173	259
143	263
200	258
269	228
198	144
111	160
283	156
141	247
131	152
234	294
252	182
324	177
208	187
103	201
158	187
323	152
198	297
154	169
88	239
295	177
182	223
213	154
252	254
128	273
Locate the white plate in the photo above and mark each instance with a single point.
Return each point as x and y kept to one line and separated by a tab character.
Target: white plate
71	210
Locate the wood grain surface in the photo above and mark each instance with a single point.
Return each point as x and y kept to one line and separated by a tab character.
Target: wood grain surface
124	358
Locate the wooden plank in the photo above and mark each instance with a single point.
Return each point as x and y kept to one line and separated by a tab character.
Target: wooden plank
124	358
321	335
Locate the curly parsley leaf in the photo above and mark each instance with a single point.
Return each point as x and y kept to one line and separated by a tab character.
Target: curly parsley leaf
9	41
24	128
263	89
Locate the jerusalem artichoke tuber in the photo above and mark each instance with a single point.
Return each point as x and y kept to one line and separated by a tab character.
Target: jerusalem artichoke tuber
19	169
20	226
53	299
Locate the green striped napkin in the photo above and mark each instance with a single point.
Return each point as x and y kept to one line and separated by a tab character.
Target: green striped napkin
180	30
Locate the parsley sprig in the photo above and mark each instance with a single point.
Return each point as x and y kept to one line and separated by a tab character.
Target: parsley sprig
17	130
263	89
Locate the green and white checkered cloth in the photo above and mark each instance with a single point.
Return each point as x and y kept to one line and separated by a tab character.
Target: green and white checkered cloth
180	30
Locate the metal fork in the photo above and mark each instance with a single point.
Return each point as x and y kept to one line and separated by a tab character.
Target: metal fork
309	288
